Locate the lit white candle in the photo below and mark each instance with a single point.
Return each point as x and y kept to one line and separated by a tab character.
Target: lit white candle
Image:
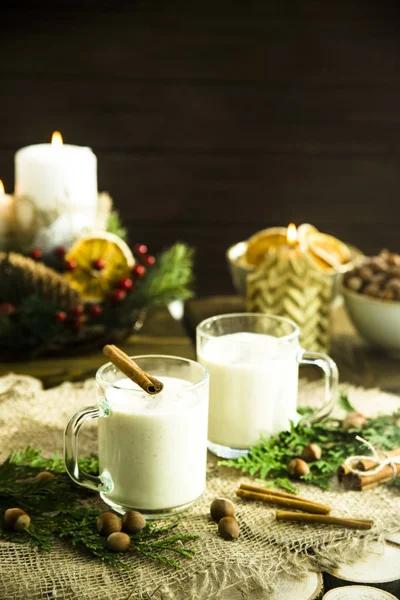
61	182
6	216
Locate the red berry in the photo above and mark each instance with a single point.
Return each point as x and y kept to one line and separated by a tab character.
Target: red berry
141	248
95	310
126	284
77	324
61	316
99	264
36	254
118	295
149	260
7	308
59	251
138	271
77	311
70	265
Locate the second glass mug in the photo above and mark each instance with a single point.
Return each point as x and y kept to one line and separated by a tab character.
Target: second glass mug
253	361
152	449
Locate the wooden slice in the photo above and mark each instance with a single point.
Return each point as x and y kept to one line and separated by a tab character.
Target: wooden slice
380	570
394	538
309	587
358	592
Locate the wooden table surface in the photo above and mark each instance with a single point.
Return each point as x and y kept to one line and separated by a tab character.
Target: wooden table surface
162	334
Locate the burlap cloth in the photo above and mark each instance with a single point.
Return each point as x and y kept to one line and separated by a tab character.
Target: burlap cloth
246	568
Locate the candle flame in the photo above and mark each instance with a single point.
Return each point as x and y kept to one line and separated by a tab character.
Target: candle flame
2	190
56	139
291	235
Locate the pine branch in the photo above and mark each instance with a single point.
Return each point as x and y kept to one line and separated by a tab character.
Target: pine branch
115	226
269	459
56	511
169	279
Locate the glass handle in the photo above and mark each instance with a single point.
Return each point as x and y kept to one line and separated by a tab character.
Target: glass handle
331	376
102	483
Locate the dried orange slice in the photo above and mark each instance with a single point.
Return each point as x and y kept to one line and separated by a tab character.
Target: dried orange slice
100	261
261	242
327	251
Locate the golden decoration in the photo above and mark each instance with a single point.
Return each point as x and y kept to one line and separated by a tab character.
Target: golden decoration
95	284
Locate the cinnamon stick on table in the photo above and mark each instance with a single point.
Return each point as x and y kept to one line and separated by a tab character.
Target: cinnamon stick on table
357	482
128	367
366	463
327	519
272	492
298	504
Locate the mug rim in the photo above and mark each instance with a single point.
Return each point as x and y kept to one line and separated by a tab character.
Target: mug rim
107	384
288	337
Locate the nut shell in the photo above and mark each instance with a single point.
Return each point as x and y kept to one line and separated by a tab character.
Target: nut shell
108	523
220	508
44	475
22	523
354	420
17	519
311	452
228	528
118	541
133	521
298	467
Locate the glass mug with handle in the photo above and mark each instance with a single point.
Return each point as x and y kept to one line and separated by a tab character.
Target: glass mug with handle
152	449
253	361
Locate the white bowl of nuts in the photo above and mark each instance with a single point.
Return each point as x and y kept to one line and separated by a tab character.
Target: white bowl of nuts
371	292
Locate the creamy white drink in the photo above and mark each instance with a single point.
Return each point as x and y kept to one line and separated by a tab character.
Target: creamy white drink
154	447
253	386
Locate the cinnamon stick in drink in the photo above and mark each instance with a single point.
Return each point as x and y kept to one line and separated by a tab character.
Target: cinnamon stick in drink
158	384
307	506
128	367
327	519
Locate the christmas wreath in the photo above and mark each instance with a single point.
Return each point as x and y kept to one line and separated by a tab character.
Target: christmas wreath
92	293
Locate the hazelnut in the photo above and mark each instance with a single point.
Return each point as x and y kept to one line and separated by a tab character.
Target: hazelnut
17	519
228	528
394	259
378	264
118	541
108	523
354	283
220	508
298	467
311	452
365	273
371	289
354	420
378	278
44	475
133	521
387	294
393	284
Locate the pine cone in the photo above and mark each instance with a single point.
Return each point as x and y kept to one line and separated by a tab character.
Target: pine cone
24	276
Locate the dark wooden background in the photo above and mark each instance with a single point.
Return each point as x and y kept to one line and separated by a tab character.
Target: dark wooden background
212	120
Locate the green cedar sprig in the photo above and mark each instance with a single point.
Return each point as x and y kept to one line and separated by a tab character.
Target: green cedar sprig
60	509
170	278
270	457
32	324
115	225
